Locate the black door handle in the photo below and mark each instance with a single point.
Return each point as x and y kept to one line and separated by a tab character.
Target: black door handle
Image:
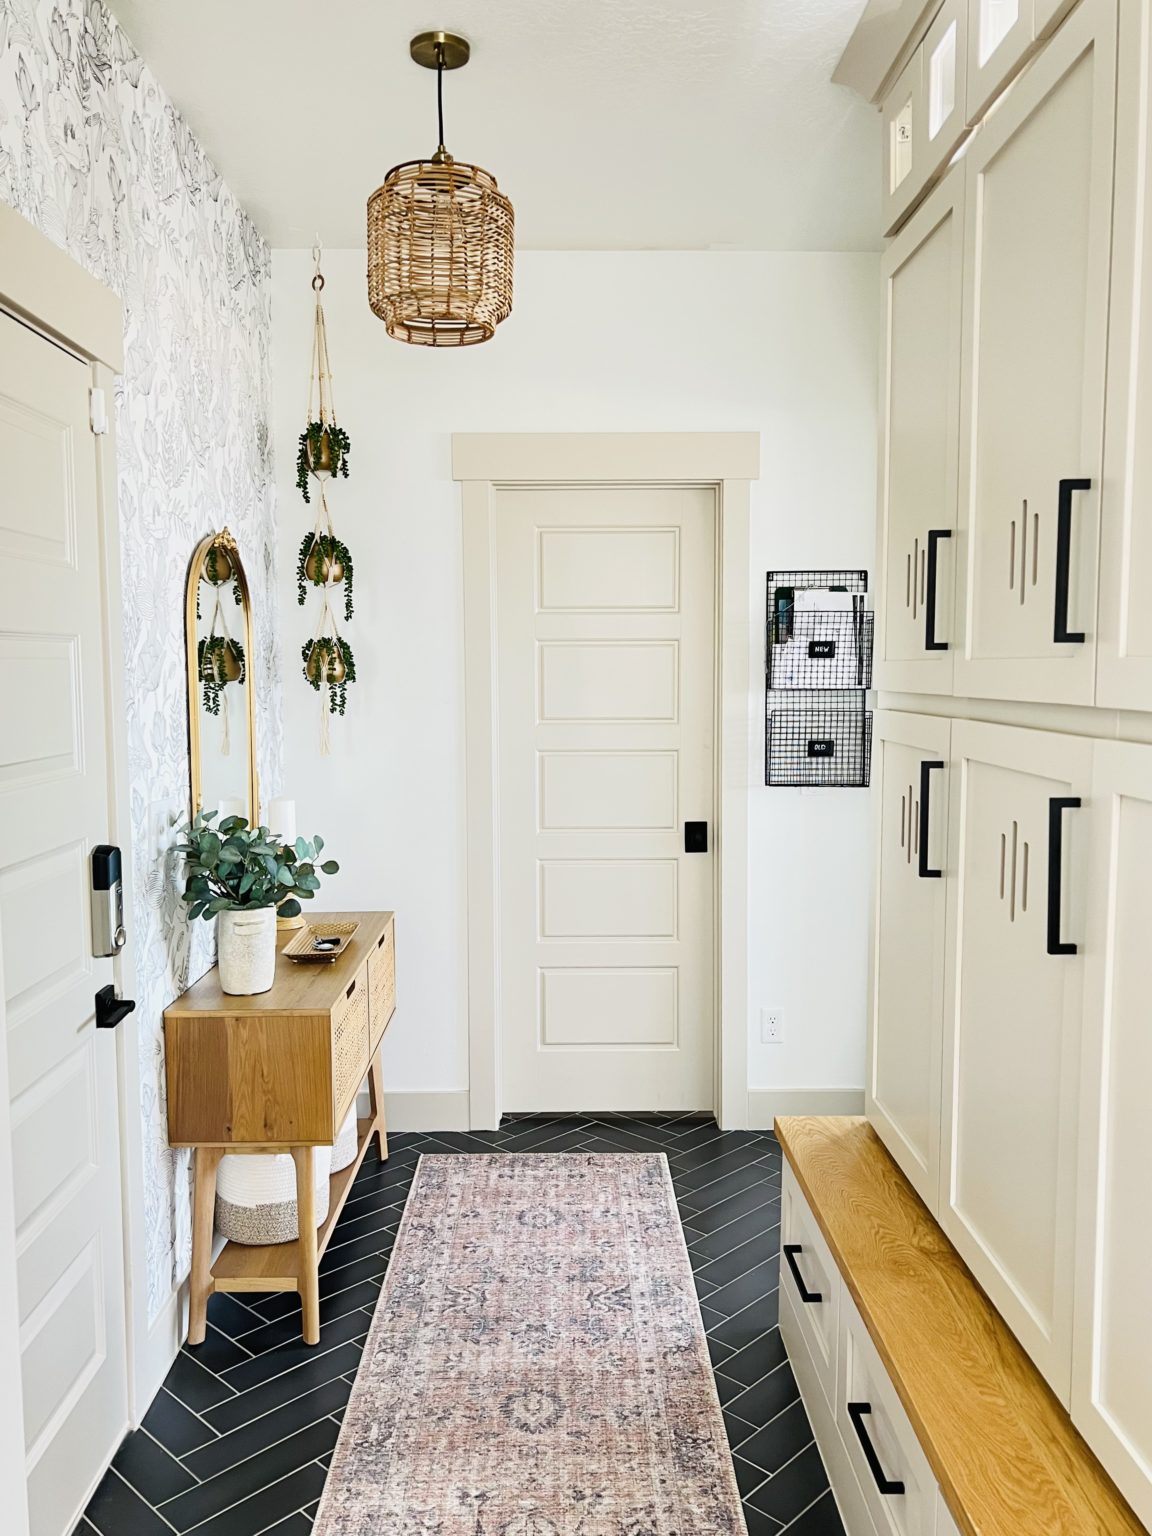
1060	631
857	1412
930	641
695	837
923	870
110	1009
1057	805
806	1296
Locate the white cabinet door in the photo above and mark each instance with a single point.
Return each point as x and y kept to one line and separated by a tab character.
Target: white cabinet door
1000	34
1012	1025
945	83
1124	659
903	139
1111	1399
908	943
1038	214
922	286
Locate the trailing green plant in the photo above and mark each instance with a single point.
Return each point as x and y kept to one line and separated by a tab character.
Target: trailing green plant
213	667
311	449
236	866
323	559
329	662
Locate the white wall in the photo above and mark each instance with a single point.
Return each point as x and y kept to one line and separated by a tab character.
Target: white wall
782	343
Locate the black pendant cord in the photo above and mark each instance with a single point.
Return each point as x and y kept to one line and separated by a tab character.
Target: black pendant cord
440	91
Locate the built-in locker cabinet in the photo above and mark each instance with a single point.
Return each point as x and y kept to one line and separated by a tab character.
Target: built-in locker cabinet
1038	214
1124	657
1048	14
922	280
1111	1392
1000	37
945	82
909	932
1013	1002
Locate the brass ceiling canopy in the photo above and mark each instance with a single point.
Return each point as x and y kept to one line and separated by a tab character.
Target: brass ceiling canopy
440	235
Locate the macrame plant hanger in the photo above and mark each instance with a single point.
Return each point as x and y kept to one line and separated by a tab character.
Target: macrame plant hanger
323	560
218	678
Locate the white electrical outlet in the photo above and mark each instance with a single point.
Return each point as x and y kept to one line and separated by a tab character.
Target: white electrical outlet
771	1027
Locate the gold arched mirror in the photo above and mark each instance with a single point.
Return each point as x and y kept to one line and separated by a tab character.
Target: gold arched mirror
221	696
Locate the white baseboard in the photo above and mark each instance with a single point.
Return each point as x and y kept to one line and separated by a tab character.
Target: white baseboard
425	1111
764	1104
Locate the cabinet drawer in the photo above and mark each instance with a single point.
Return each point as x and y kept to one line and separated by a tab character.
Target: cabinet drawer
810	1281
893	1473
382	984
945	1525
350	1044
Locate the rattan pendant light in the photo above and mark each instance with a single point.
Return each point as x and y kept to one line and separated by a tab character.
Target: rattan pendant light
440	235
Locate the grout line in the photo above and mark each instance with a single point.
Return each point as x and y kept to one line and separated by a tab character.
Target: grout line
259	1491
827	1494
138	1494
171	1454
206	1482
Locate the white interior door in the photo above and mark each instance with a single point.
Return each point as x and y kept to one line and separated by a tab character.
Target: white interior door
1038	214
1111	1401
1012	1025
906	1019
605	603
64	1142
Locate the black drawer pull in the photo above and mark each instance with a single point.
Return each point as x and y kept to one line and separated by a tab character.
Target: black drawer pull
351	988
1057	805
930	641
1060	631
857	1412
806	1296
923	870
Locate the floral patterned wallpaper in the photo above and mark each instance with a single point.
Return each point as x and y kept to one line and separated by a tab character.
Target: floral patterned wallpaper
95	155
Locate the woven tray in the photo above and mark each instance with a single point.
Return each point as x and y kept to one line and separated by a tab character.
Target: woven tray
300	948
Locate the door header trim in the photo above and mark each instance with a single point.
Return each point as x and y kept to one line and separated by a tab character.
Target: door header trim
652	457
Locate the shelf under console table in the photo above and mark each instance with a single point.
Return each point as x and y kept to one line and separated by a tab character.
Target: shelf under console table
279	1072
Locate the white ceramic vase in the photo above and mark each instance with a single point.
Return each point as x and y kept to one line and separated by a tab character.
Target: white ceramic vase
246	950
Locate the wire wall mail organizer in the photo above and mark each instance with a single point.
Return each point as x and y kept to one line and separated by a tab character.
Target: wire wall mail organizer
819	637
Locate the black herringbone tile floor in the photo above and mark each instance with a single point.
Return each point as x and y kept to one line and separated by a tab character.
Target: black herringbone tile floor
238	1441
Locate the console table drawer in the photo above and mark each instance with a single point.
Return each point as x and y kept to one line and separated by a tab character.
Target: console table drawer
350	1043
382	984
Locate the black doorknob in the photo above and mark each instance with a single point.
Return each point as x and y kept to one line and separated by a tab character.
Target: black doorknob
695	837
110	1009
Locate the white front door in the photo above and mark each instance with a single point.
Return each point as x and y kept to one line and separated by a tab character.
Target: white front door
63	1113
605	600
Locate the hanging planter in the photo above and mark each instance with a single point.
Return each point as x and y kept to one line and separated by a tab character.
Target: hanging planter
220	660
329	663
324	560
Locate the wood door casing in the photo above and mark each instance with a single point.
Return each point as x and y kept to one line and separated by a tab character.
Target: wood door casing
606	653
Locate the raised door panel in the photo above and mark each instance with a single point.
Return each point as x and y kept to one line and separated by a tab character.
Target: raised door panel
1013	1002
903	141
1124	659
1035	320
1000	38
908	944
1111	1401
922	286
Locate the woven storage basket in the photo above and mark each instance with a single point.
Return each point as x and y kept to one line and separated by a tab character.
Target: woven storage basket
344	1152
256	1195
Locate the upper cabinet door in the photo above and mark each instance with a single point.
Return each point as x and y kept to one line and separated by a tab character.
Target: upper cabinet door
1124	660
1013	1000
1039	205
907	994
1111	1402
1000	37
922	274
903	142
945	82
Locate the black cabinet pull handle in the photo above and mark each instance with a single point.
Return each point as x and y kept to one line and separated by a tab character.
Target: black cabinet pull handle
110	1009
1060	631
1057	805
857	1412
806	1296
926	768
930	641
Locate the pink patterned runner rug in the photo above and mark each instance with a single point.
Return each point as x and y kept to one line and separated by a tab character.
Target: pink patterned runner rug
537	1364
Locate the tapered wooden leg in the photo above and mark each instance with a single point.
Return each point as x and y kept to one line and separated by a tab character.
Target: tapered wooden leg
206	1162
376	1095
309	1264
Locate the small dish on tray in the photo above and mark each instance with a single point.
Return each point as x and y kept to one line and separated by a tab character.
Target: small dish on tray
319	942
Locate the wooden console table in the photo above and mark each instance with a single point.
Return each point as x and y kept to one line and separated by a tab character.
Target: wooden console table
278	1073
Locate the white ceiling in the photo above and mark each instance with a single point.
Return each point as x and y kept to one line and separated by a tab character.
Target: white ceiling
611	124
